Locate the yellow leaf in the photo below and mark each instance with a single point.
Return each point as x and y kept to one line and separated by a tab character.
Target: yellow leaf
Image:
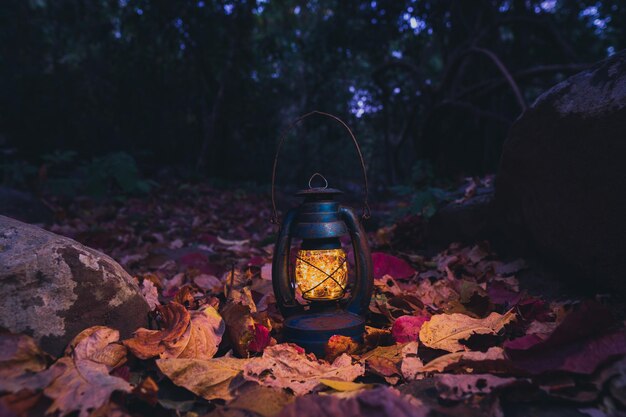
344	385
444	331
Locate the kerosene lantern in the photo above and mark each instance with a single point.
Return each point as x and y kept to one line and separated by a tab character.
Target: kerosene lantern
315	296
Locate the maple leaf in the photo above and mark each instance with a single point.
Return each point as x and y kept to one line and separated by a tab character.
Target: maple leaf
285	366
444	331
385	264
209	379
195	334
166	343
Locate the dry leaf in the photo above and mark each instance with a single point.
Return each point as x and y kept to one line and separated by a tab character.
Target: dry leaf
378	402
285	366
338	345
150	293
444	331
19	354
209	379
457	387
385	361
84	382
444	362
166	343
246	333
344	386
411	364
207	329
261	400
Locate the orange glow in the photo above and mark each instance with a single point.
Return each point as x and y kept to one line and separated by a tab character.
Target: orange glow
321	274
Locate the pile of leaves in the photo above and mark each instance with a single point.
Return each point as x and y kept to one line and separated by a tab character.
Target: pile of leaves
449	334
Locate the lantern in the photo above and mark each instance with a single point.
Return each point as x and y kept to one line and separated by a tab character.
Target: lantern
329	304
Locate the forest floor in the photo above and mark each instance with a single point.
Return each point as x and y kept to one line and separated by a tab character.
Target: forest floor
449	333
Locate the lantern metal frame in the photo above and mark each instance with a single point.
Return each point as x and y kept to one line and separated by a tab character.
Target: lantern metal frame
320	221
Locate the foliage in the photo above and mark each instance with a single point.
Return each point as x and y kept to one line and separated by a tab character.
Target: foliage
207	85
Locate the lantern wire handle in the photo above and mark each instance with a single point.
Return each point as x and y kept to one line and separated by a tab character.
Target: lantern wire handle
317	174
366	208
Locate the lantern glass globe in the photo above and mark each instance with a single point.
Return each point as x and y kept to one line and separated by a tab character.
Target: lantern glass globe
321	274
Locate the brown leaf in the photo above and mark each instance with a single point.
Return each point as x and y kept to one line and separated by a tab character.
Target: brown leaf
166	343
209	379
444	331
19	354
285	366
207	329
379	402
84	382
261	400
385	361
98	344
445	362
411	363
457	387
243	324
338	345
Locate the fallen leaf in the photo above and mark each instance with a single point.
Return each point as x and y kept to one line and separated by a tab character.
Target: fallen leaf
209	379
385	264
206	330
407	328
411	365
445	362
385	361
444	331
260	400
20	354
457	387
344	386
150	293
84	382
246	332
284	366
166	343
338	345
580	343
207	282
378	402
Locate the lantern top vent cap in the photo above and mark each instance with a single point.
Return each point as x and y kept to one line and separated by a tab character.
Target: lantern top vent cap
319	191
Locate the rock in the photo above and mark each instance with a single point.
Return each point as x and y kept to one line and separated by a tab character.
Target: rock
52	287
466	222
23	206
561	183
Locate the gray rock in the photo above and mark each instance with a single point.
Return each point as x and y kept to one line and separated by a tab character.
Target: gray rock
52	287
561	183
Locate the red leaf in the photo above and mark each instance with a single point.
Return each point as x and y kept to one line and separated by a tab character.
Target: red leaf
407	328
385	264
581	343
260	340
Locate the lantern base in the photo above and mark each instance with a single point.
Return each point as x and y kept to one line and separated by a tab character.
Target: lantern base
312	331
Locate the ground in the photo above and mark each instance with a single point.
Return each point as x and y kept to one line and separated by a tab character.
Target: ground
452	332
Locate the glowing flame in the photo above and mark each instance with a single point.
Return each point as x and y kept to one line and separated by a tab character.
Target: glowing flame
322	274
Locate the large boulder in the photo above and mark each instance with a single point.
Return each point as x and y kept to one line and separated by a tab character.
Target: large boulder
52	287
562	180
